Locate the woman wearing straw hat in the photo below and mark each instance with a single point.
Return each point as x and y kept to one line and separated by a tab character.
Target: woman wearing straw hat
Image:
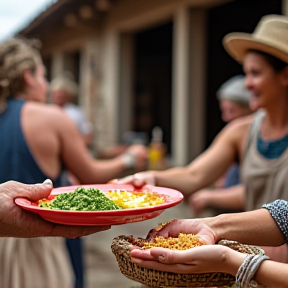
260	141
262	146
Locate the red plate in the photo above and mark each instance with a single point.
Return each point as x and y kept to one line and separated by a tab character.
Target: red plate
114	217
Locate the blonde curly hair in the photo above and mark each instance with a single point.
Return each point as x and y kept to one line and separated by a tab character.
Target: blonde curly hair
16	56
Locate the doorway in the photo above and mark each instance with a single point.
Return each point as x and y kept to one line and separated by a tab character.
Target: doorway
152	89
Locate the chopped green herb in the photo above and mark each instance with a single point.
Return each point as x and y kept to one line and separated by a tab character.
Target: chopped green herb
81	199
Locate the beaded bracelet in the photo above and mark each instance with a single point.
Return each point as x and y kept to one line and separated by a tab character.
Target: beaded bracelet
247	271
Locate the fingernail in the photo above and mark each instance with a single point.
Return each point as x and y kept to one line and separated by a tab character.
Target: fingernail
161	258
48	183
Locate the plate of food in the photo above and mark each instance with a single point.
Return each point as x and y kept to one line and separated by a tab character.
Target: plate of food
102	204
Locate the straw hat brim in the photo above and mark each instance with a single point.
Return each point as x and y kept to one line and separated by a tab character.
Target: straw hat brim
237	44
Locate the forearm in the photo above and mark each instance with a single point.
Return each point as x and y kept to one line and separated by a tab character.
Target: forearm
110	169
240	227
270	273
200	173
229	198
101	171
183	179
175	178
204	169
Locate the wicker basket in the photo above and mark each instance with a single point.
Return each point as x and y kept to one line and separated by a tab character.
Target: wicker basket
121	246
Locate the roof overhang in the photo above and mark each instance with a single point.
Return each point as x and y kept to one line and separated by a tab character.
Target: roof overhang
67	13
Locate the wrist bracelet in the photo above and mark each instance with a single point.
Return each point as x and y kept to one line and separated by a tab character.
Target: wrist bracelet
247	271
254	268
242	269
129	160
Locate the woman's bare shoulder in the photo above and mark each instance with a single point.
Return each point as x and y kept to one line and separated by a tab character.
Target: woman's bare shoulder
49	116
238	132
45	111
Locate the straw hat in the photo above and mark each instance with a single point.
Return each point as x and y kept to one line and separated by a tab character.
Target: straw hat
234	90
270	36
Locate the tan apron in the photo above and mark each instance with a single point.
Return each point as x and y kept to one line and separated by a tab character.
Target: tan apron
34	263
265	180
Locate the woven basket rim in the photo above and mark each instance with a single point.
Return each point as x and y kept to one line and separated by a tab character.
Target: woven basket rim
156	278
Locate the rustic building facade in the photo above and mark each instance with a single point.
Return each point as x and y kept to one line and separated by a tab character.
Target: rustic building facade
148	62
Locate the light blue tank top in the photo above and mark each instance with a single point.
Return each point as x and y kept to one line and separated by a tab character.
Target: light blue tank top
16	160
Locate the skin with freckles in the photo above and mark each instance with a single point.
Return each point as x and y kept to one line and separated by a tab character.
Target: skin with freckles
16	222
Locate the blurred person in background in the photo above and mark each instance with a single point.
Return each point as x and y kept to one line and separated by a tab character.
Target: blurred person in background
64	91
38	142
259	141
234	102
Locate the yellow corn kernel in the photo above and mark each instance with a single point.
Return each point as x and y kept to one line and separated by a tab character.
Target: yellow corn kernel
128	199
183	242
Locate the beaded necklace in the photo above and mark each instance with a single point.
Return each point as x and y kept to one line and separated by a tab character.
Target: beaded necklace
272	149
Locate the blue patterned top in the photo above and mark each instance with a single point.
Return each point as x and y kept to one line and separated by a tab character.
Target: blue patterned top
279	212
272	149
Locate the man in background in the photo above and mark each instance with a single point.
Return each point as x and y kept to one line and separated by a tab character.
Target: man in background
64	92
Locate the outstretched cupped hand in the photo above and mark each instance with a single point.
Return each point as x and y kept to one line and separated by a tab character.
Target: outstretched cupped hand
202	259
186	226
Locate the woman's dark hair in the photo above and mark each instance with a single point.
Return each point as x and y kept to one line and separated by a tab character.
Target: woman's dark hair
275	62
